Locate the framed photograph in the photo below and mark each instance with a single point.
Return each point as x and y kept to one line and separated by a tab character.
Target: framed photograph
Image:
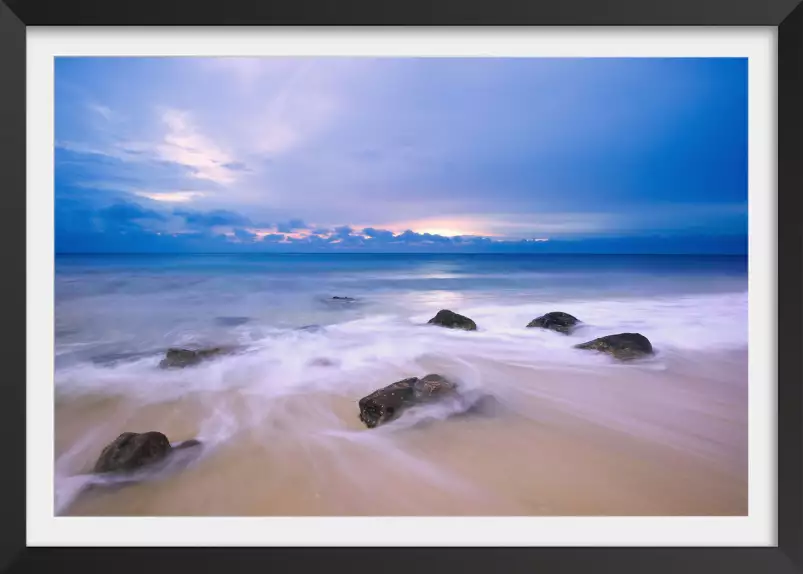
511	286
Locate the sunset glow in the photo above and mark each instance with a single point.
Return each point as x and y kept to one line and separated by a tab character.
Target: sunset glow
447	227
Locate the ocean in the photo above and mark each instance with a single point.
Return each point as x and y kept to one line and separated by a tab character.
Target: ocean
540	427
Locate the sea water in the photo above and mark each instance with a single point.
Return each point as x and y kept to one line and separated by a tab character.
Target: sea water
538	428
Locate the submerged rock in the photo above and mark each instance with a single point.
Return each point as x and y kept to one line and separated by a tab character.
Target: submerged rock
179	358
131	451
452	320
388	403
339	302
623	346
556	321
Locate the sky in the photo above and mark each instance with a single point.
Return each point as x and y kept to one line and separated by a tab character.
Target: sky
592	155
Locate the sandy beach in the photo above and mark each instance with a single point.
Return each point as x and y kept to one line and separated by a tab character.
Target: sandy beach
668	442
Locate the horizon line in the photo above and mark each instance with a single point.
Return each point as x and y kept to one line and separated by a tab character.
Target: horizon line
379	253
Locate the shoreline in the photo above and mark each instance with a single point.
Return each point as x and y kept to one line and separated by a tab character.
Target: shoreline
536	448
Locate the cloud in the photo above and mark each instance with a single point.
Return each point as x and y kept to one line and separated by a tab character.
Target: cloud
127	226
501	149
209	219
305	104
236	166
342	232
247	71
244	235
96	149
409	237
129	212
515	225
103	111
380	234
185	145
171	196
272	238
290	226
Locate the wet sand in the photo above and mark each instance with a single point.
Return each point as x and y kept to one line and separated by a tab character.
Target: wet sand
618	441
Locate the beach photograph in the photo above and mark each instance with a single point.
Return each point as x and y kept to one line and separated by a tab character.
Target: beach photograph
400	286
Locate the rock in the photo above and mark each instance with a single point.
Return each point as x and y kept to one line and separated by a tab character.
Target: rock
432	387
556	321
180	358
343	298
385	404
624	346
388	403
452	320
311	328
322	362
130	451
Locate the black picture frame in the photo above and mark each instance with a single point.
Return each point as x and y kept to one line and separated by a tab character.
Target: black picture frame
786	15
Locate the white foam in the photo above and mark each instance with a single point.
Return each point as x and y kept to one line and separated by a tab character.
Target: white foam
367	353
285	361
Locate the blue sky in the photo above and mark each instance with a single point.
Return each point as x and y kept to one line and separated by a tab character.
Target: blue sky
417	154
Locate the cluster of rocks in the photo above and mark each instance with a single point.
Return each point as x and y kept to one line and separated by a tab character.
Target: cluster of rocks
622	346
131	451
389	402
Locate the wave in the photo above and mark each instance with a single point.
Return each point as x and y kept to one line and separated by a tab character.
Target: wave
307	381
287	360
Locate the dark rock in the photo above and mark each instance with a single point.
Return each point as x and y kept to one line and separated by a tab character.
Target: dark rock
452	320
130	451
556	321
624	346
180	358
388	403
385	404
432	387
340	303
311	328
